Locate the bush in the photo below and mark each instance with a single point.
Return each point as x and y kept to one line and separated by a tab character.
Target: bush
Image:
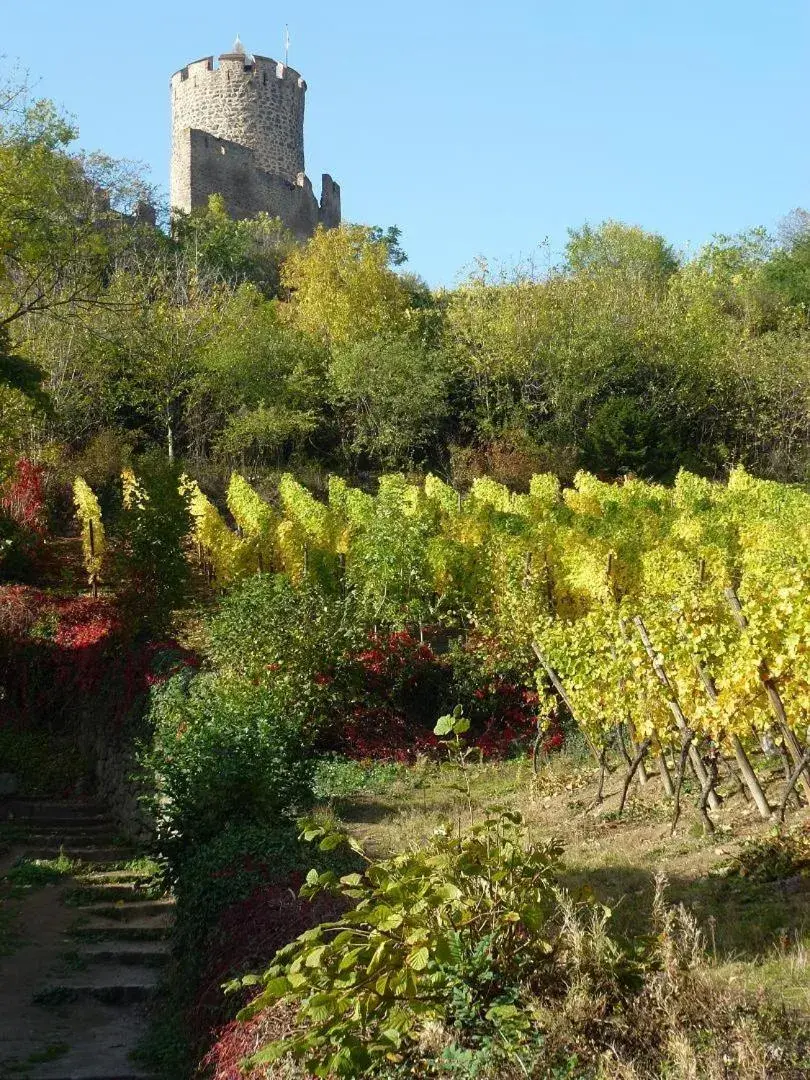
222	753
23	520
448	933
386	697
18	550
237	904
155	523
44	764
499	696
782	854
267	624
366	695
465	959
23	496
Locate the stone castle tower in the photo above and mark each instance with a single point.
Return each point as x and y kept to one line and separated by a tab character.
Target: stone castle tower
238	131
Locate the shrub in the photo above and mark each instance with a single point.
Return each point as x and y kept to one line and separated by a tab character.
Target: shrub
782	854
267	623
23	496
62	659
222	753
386	696
448	933
23	520
499	696
154	523
237	904
466	960
18	549
367	695
44	764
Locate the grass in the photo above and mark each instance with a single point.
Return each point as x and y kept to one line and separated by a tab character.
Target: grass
17	1068
34	873
748	886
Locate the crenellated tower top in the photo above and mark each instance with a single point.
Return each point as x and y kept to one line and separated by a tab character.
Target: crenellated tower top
238	130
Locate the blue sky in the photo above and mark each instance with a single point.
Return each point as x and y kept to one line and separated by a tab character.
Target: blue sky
480	129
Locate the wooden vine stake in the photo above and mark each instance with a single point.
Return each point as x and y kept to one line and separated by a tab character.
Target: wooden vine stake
792	780
694	757
666	777
93	574
635	765
743	764
775	700
686	747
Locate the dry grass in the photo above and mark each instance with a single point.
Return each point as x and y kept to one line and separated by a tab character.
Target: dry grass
757	934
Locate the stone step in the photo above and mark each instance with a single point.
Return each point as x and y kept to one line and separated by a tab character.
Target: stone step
101	1049
129	911
101	877
85	854
149	953
125	1071
69	840
126	892
103	827
158	928
70	827
111	984
52	810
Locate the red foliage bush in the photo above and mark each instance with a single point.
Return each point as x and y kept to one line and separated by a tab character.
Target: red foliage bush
236	1040
247	938
387	697
63	658
23	496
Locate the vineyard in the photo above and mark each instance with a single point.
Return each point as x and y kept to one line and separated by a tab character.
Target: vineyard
669	623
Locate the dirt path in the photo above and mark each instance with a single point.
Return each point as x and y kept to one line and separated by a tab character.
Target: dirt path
74	991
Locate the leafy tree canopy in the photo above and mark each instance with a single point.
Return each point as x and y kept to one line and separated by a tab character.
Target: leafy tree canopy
615	246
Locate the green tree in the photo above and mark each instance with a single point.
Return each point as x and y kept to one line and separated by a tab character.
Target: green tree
342	289
260	390
233	251
22	402
616	246
393	397
58	233
164	319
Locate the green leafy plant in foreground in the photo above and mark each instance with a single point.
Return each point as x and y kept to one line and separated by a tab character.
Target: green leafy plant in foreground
447	934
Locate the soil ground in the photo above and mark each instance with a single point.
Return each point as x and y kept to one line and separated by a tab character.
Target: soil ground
757	934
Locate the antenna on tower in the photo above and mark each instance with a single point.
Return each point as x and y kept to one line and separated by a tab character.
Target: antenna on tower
287	46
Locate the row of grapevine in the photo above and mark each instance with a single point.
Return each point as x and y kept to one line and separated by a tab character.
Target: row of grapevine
673	622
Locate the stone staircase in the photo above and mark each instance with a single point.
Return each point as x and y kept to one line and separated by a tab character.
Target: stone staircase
113	938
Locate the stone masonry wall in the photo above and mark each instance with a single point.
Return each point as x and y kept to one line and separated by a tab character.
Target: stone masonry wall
212	166
259	105
238	131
